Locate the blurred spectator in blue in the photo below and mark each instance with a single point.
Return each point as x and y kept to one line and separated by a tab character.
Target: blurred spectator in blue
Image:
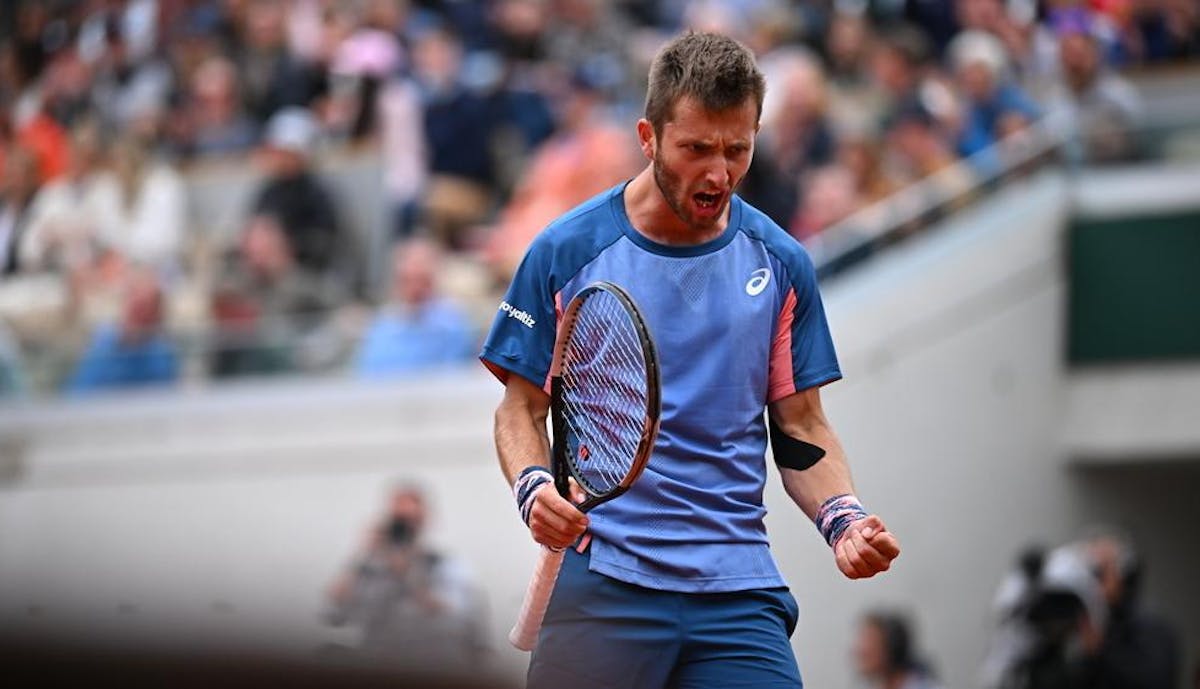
995	105
135	352
295	200
418	328
886	656
210	121
459	128
1097	110
19	186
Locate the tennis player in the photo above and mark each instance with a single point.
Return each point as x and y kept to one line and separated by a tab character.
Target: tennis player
673	584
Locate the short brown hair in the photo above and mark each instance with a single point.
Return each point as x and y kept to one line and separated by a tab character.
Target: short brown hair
714	69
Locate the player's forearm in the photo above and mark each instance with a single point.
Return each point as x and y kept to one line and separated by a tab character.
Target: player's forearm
521	438
830	476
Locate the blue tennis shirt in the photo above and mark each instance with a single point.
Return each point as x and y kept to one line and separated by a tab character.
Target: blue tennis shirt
737	323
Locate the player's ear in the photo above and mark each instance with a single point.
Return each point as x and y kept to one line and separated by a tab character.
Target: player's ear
646	138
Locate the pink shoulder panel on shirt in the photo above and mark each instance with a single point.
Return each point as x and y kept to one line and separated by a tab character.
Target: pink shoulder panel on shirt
782	380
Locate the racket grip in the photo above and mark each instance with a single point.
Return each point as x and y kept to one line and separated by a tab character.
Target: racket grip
524	633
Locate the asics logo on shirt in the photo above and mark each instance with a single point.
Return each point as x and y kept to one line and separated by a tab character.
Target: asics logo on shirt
758	281
515	313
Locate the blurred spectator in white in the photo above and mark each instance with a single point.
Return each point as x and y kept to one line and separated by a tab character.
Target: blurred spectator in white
418	328
211	120
408	601
293	199
62	228
459	128
141	209
886	655
995	104
134	352
1097	109
17	193
588	154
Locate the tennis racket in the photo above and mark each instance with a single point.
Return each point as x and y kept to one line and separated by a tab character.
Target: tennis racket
604	410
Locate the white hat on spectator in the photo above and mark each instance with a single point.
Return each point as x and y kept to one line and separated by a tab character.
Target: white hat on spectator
978	47
292	129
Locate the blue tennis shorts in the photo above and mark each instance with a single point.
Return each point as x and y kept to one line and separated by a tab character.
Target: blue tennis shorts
600	632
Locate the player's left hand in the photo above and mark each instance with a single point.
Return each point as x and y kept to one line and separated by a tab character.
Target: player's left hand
866	548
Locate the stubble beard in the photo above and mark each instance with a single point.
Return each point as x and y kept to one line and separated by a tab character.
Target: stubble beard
670	187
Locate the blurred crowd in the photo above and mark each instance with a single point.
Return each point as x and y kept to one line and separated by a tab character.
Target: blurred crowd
487	118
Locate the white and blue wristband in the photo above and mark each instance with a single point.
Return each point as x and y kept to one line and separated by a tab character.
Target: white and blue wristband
526	486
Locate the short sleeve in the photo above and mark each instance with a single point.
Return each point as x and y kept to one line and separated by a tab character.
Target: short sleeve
802	353
521	339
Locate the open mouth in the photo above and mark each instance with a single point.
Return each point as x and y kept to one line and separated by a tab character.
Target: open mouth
707	200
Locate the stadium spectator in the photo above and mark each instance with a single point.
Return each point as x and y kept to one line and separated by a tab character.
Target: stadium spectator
1098	110
294	200
211	120
922	152
61	232
886	656
588	154
418	328
996	105
141	208
271	77
830	194
16	195
459	128
409	601
12	381
271	315
135	352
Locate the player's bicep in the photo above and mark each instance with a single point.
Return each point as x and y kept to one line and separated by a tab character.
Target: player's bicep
798	430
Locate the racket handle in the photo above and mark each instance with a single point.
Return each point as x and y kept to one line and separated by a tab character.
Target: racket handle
524	633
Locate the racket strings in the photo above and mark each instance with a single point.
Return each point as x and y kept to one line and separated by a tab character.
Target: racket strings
604	393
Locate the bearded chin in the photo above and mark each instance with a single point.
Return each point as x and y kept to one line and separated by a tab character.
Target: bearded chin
664	181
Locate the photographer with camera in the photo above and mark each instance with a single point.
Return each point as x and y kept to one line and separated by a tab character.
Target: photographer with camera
406	601
1070	619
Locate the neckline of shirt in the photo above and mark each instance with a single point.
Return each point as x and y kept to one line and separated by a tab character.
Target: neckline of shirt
617	203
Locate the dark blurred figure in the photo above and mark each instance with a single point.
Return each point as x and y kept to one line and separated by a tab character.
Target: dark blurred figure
294	200
885	654
19	186
408	601
459	129
1138	650
419	328
1097	109
136	351
1070	619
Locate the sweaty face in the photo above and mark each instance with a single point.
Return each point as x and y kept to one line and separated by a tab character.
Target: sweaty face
699	159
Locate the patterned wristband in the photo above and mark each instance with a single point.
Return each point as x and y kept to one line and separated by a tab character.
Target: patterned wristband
526	486
836	514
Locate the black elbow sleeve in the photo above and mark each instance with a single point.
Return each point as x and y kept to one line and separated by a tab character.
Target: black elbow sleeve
791	452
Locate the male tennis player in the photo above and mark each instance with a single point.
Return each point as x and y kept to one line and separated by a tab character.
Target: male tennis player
674	584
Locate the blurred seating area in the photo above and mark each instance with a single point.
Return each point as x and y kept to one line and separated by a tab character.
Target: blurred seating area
200	190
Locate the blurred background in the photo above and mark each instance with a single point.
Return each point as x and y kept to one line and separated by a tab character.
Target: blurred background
249	248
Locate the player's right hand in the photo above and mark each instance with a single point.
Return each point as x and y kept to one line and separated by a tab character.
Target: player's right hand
555	521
